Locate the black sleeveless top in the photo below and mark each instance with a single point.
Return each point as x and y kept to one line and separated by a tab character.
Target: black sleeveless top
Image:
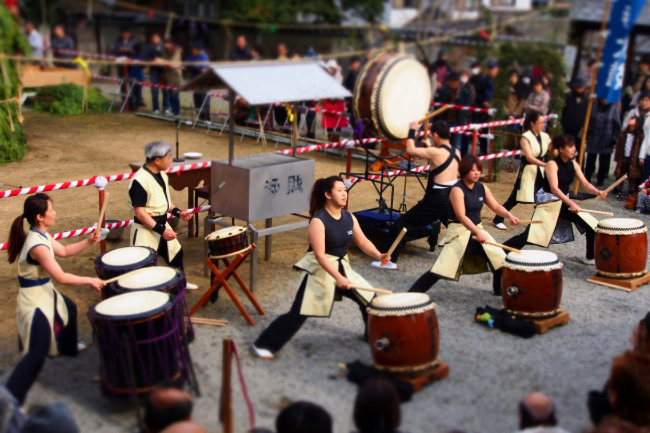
474	199
338	233
566	173
442	167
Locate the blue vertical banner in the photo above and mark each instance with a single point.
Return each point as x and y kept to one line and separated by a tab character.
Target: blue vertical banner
621	21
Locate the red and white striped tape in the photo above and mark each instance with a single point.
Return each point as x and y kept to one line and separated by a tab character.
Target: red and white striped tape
112	226
489	111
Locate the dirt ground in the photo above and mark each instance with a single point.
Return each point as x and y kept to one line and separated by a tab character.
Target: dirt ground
70	148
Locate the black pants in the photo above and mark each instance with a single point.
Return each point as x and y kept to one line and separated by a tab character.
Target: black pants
164	253
29	367
200	96
603	166
428	279
508	205
520	240
282	329
631	182
434	206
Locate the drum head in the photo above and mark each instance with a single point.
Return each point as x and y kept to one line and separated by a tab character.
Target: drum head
533	260
225	232
132	304
125	256
402	94
621	226
153	276
400	304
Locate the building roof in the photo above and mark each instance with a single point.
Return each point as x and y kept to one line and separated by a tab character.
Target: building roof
591	11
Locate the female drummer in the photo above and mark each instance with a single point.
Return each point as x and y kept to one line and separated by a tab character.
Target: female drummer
326	272
462	254
556	209
47	320
534	146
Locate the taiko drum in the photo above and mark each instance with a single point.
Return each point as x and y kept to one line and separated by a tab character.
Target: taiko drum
621	248
227	241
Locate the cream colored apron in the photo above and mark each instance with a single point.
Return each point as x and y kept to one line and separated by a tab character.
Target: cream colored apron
318	299
541	234
449	262
37	292
526	191
158	201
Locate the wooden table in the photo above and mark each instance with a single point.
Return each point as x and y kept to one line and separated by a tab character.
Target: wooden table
189	179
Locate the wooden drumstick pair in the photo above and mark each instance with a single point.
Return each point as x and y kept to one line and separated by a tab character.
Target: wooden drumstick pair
128	274
612	186
496	244
396	242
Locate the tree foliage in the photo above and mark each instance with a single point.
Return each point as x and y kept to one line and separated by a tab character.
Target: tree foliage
12	41
68	99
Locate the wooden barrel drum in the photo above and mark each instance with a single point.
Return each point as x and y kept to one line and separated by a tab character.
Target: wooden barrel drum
621	248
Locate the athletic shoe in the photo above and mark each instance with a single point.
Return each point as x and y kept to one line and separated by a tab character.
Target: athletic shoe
262	353
81	347
377	264
501	226
168	112
586	261
156	111
190	286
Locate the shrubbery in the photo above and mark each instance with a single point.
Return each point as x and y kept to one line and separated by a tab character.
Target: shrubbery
68	99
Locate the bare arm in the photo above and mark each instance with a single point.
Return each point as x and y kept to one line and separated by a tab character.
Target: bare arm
366	245
146	220
491	202
426	152
528	153
457	199
64	251
551	175
317	242
42	255
585	183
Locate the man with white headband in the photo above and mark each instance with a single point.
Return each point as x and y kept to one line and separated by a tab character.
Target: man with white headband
150	199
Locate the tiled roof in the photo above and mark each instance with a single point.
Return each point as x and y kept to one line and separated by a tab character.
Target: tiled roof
592	11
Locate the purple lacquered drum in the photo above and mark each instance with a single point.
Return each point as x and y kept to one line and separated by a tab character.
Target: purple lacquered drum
140	342
122	260
161	279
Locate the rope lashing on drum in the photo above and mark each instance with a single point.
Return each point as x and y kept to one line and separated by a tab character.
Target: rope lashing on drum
244	388
111	226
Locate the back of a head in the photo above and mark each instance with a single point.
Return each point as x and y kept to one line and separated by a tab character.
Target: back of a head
377	407
629	387
303	417
536	409
166	405
55	418
441	128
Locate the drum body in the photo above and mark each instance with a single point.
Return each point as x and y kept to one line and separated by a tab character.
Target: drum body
122	260
531	284
227	241
403	333
160	279
391	91
140	343
621	248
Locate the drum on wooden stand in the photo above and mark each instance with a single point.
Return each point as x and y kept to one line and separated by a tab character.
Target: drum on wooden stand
531	284
391	91
227	241
140	344
161	279
122	260
621	248
403	333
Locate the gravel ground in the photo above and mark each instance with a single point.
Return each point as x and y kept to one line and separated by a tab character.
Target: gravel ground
490	371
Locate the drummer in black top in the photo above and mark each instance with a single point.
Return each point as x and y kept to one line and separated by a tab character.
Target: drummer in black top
462	254
326	271
556	210
444	159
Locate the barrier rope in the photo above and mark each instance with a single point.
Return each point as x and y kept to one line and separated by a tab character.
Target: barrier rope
111	226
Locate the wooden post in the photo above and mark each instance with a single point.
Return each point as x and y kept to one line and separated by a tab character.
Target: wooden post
225	407
348	169
102	221
474	141
590	105
490	162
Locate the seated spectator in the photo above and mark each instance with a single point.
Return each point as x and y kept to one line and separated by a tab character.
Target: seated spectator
641	336
537	414
166	404
303	417
643	198
628	388
184	427
377	407
54	418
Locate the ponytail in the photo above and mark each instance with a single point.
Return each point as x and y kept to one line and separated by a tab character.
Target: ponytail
34	205
317	198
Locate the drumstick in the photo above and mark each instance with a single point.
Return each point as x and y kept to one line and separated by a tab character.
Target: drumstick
128	274
614	185
397	240
373	289
435	113
597	212
496	244
207	321
531	221
102	211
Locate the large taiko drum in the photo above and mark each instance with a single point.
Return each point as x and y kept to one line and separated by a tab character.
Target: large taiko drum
391	91
621	248
227	241
531	284
161	279
403	332
139	339
122	260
